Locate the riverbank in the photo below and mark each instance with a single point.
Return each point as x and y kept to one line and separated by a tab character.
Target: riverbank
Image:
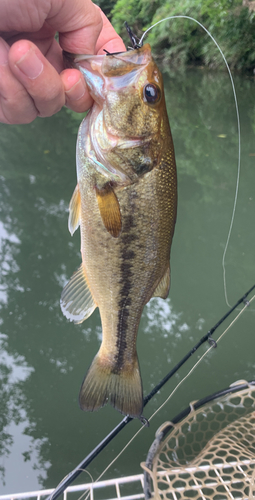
182	41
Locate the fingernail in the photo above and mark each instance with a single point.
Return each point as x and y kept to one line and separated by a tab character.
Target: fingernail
77	91
30	65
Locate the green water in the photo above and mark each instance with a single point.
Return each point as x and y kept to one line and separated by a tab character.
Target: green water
43	357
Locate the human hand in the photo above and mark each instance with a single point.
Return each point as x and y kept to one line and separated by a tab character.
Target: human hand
33	81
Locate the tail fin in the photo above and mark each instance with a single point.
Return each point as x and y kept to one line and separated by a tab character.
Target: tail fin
123	389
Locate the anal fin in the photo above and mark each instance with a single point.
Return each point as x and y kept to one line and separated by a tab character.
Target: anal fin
109	209
163	287
74	211
76	301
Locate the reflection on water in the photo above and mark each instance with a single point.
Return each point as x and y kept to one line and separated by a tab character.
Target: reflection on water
43	434
20	453
25	466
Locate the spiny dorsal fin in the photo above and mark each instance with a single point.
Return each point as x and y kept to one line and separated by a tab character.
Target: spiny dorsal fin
109	209
162	289
74	211
76	301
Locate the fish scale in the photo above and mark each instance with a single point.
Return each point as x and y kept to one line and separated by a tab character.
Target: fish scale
125	204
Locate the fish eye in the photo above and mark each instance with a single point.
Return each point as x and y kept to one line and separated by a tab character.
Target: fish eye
151	93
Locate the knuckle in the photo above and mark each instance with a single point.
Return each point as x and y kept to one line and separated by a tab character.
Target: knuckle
17	111
78	107
49	108
23	120
51	102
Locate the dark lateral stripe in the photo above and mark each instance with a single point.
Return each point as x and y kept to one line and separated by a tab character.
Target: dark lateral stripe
127	257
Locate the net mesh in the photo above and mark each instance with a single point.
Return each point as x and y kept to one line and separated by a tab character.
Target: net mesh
210	454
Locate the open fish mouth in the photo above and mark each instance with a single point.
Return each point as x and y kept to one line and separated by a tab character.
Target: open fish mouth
97	68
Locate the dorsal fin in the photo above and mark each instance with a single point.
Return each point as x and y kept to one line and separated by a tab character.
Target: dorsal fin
76	301
109	209
74	211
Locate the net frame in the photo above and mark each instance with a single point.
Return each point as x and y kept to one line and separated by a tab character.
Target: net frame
207	451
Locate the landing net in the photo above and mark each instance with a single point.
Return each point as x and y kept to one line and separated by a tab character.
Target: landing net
210	453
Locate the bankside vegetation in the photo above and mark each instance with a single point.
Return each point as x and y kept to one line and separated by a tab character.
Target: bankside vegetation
181	41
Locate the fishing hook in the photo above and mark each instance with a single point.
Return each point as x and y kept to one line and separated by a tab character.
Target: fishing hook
112	53
132	37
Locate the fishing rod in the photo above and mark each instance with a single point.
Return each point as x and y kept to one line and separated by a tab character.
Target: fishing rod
88	459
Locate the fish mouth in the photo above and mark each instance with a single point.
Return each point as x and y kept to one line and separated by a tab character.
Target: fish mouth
96	68
137	57
104	75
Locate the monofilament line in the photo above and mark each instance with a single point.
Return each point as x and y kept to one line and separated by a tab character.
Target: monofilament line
173	392
238	128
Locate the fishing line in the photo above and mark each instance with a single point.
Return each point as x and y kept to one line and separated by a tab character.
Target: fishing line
64	479
239	136
247	303
202	357
88	459
71	476
88	491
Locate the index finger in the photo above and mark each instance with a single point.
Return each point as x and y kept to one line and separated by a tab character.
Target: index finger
79	34
87	31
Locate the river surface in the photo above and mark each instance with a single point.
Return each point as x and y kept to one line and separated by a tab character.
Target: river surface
43	357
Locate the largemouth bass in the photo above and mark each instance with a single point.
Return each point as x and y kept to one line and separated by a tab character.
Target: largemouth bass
125	203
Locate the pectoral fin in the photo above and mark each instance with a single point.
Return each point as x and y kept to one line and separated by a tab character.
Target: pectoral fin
163	287
74	211
109	209
76	301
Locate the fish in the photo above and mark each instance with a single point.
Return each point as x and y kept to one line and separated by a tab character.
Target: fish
125	203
